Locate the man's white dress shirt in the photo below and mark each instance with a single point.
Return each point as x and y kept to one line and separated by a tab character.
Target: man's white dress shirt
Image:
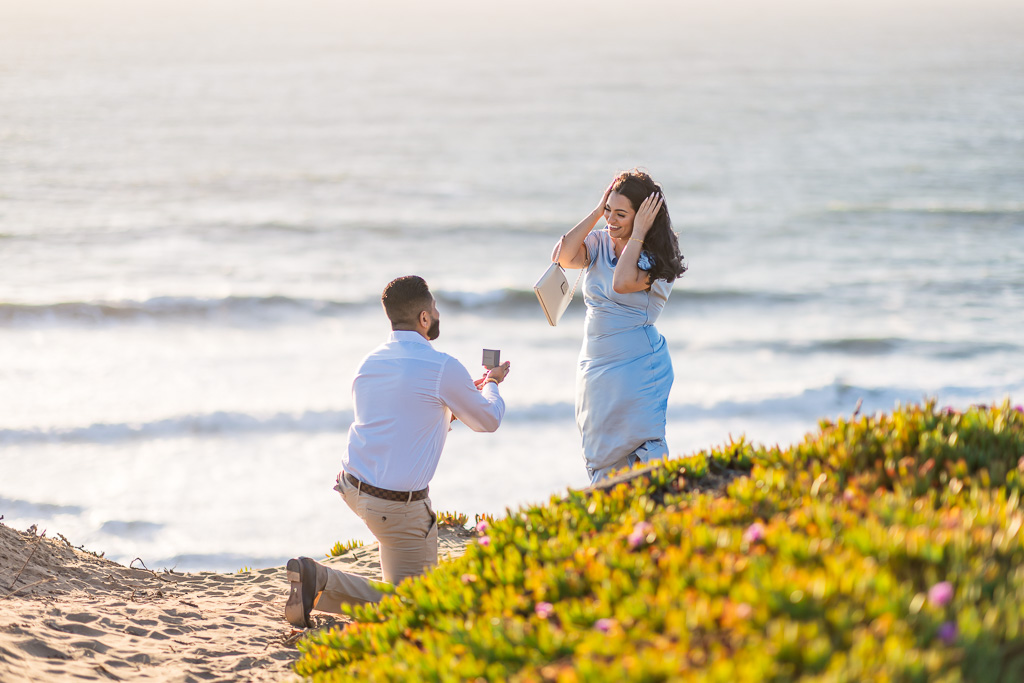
405	393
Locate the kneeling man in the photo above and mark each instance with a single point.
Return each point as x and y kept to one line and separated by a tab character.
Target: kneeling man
406	394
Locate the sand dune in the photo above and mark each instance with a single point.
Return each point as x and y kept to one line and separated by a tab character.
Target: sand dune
67	614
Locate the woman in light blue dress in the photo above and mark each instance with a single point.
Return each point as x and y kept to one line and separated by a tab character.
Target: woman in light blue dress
625	372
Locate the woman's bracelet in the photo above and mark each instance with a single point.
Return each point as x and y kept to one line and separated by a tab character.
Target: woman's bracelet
633	239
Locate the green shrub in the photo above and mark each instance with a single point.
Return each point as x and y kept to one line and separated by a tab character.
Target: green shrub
455	520
880	548
342	548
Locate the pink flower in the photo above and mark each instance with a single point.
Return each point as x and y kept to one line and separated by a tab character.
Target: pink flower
743	610
604	625
469	578
940	594
484	540
1019	409
482	526
641	532
849	495
754	533
544	609
948	632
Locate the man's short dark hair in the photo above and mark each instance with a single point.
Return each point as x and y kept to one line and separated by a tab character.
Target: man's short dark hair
405	298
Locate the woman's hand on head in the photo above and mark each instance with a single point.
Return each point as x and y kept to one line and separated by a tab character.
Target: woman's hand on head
604	198
646	214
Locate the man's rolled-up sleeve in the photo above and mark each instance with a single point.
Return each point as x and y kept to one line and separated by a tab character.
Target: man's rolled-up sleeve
480	409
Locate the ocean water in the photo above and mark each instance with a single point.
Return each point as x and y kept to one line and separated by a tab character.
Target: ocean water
200	203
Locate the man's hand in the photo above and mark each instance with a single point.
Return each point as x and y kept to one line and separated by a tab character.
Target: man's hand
497	373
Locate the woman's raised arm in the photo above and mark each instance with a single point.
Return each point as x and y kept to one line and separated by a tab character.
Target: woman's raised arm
628	277
574	253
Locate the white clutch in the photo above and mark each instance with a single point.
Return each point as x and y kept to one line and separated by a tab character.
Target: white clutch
553	291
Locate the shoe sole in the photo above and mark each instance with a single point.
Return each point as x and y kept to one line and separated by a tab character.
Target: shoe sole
294	611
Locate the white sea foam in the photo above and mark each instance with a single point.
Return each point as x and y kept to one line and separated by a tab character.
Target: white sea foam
218	423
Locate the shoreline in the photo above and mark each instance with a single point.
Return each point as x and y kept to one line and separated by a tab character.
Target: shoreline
66	612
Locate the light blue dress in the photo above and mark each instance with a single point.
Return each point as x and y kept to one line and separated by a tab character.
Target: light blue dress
625	371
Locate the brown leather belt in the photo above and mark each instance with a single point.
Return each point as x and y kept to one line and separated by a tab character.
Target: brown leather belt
387	494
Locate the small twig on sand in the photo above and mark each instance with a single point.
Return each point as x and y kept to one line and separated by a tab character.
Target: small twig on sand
856	411
107	672
139	560
30	585
27	560
288	640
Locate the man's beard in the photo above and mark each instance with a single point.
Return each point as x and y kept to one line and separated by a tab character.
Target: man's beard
435	329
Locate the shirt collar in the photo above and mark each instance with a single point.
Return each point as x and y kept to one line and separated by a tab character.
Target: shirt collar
408	336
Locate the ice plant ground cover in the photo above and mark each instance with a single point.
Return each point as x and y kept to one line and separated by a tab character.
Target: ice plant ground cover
884	547
342	548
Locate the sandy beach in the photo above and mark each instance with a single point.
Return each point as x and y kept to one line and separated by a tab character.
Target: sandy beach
66	613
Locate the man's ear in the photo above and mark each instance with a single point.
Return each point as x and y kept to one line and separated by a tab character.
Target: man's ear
425	320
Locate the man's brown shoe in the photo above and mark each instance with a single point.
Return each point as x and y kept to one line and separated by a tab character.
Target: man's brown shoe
302	578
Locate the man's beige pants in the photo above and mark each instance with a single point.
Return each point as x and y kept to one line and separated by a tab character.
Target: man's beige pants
407	534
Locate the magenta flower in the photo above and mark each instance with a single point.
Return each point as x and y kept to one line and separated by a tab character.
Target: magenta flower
1019	409
754	533
544	609
604	625
482	527
940	594
948	632
641	533
484	540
